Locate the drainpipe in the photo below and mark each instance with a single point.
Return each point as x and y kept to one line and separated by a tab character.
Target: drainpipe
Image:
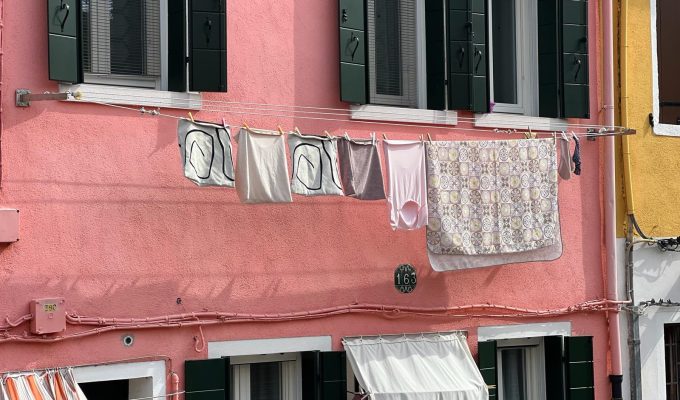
635	370
616	375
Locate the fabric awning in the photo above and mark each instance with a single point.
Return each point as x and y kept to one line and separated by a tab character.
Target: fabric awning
416	367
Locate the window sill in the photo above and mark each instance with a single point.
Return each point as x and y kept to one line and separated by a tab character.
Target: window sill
666	129
519	122
135	96
371	112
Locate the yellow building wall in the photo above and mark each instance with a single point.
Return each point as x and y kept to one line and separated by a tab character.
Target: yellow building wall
655	160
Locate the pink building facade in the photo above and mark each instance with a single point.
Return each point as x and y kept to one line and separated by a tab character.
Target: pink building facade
155	271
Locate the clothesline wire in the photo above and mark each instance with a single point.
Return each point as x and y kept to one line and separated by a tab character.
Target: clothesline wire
412	125
122	97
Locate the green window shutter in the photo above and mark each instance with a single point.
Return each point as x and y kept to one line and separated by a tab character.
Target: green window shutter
554	367
208	44
310	375
575	58
435	50
488	366
549	56
63	41
578	351
467	55
324	375
177	63
207	379
353	38
333	375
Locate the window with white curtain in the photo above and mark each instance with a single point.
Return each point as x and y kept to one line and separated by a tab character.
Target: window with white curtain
268	377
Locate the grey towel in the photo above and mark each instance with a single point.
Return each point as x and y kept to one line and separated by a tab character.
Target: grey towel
360	169
206	155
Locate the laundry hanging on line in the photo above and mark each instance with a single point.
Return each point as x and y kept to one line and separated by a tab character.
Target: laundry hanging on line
47	385
360	168
206	153
315	165
262	168
492	202
406	182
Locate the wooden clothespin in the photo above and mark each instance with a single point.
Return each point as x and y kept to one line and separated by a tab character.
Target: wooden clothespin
385	136
429	138
191	117
224	122
246	126
297	131
327	134
421	138
278	127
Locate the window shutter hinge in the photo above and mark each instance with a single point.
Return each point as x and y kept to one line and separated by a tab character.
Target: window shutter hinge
187	59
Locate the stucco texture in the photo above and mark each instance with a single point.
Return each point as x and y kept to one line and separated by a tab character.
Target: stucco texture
109	222
654	159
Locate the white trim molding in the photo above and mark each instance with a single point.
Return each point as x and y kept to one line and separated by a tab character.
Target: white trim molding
154	370
122	95
519	122
233	348
522	331
659	128
370	112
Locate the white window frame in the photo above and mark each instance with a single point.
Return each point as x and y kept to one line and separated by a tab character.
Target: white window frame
534	365
241	352
525	335
291	374
659	128
101	92
101	44
139	374
526	50
420	95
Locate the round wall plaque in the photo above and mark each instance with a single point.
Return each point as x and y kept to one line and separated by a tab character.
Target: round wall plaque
405	278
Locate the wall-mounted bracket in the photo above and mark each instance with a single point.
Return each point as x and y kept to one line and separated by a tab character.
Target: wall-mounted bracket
24	97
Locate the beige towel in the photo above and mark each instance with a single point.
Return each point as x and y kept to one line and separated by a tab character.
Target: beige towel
262	168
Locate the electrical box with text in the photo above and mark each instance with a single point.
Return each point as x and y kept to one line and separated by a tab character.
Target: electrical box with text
49	316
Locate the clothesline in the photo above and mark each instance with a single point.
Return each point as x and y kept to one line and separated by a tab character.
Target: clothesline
212	104
601	131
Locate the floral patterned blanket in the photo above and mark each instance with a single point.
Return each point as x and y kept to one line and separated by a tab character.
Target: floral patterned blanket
492	197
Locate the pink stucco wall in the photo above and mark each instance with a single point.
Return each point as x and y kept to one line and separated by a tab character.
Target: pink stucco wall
109	222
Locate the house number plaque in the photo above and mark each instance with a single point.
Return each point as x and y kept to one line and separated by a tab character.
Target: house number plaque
405	278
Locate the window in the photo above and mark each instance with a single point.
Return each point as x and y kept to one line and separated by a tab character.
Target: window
549	367
272	377
121	42
520	369
122	381
666	81
154	44
671	343
526	57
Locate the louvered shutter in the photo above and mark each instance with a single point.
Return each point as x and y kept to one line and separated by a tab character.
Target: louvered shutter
435	50
353	72
549	56
324	375
207	379
575	58
578	352
488	366
208	45
554	367
63	41
467	55
177	59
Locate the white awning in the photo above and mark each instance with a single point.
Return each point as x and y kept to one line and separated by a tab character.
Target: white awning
416	367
